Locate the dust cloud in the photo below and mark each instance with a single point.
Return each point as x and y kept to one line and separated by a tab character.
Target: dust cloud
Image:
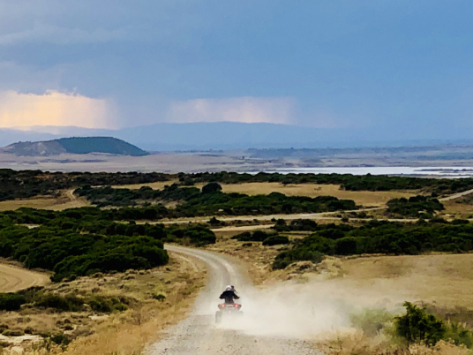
316	308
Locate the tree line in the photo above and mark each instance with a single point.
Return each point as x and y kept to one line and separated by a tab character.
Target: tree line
30	183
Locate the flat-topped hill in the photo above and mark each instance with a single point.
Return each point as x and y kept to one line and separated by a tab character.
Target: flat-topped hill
75	145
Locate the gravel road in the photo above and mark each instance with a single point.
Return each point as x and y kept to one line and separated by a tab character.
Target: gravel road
198	334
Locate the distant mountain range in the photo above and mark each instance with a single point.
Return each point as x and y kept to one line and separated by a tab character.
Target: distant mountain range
222	135
76	145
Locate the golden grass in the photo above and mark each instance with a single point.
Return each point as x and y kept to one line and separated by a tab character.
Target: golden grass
457	209
445	280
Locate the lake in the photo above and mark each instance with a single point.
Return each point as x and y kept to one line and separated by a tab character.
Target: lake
383	170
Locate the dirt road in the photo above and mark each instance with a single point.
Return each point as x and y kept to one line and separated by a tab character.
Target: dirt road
13	278
199	334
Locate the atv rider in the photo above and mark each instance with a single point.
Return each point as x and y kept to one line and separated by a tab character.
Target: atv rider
229	295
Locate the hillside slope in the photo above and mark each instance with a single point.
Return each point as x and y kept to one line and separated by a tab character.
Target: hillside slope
75	145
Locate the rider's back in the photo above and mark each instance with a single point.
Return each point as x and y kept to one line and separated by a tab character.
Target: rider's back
229	296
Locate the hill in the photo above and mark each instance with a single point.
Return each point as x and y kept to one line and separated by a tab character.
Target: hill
75	145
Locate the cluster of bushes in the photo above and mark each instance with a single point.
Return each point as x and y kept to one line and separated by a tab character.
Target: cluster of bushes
30	183
295	225
86	240
69	253
261	236
211	200
61	303
380	237
108	196
416	206
196	235
90	214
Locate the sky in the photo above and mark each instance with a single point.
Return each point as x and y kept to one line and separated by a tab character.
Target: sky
391	67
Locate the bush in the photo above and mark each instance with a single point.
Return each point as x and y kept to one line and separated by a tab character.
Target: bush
106	304
11	301
416	206
276	240
256	236
59	302
200	235
417	326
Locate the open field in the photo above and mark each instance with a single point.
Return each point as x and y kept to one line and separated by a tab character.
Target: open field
444	280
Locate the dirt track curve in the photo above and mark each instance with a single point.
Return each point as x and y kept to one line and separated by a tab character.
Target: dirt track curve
13	278
199	334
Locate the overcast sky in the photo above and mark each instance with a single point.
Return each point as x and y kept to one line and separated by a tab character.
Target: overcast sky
397	65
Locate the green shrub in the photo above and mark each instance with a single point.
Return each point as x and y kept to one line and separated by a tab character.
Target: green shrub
59	302
418	326
243	237
105	304
200	235
416	206
11	301
276	240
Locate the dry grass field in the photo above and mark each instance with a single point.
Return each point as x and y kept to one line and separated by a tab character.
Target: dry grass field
65	200
444	280
457	209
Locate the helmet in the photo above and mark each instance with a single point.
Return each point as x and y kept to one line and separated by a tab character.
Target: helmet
228	288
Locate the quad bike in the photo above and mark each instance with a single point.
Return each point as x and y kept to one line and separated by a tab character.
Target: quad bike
229	309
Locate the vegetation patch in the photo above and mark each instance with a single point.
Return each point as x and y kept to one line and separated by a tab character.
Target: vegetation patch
379	237
418	326
211	201
416	206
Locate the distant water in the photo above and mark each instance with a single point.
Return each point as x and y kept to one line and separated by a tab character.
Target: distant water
384	170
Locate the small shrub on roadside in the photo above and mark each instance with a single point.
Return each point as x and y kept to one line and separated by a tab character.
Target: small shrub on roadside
276	240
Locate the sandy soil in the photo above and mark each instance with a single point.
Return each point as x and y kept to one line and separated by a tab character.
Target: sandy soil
14	278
